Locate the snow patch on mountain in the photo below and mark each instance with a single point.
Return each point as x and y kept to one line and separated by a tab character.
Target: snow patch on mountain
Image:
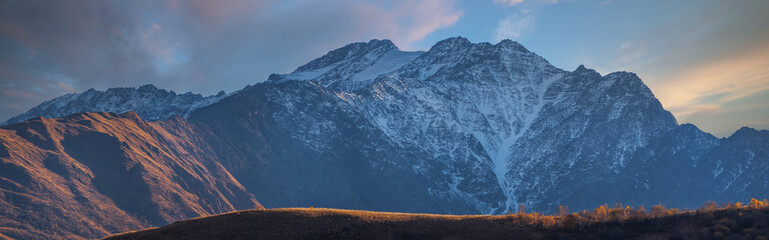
388	63
148	101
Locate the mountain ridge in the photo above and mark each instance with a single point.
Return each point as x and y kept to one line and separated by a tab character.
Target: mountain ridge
463	128
147	100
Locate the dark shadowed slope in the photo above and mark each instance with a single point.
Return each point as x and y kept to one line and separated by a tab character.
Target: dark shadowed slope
92	174
296	144
734	223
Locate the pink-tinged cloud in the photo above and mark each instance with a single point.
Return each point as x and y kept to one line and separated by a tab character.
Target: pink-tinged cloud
11	30
720	95
428	16
211	13
716	82
64	86
276	37
403	21
508	2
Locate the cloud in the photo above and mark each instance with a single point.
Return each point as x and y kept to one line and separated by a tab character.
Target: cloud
513	26
701	63
278	38
508	2
716	83
522	20
629	52
83	40
50	48
426	17
511	3
724	119
605	2
719	94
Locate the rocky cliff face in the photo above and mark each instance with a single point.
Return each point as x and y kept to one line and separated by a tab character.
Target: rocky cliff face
464	128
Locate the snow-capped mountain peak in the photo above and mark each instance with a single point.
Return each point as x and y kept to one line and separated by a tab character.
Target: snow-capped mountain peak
451	44
351	66
351	52
148	101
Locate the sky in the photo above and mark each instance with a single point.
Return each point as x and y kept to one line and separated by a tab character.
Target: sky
707	61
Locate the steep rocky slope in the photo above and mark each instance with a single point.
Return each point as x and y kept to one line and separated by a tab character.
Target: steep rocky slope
298	144
92	174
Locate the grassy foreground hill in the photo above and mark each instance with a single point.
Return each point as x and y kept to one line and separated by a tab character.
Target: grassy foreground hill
728	222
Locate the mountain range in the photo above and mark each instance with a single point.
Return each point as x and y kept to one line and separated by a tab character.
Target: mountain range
148	101
463	128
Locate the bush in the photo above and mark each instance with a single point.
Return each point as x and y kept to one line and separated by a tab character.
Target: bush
718	235
569	222
684	233
722	229
705	232
733	237
746	221
751	232
659	211
614	233
708	206
707	219
728	223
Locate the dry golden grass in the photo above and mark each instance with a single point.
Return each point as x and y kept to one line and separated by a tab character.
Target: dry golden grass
743	222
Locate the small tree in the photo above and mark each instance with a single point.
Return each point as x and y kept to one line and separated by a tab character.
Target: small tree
641	210
521	209
674	211
563	211
569	222
708	206
617	214
659	210
755	204
584	213
601	211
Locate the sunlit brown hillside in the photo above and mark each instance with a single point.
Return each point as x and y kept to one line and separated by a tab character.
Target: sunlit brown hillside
729	221
89	175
